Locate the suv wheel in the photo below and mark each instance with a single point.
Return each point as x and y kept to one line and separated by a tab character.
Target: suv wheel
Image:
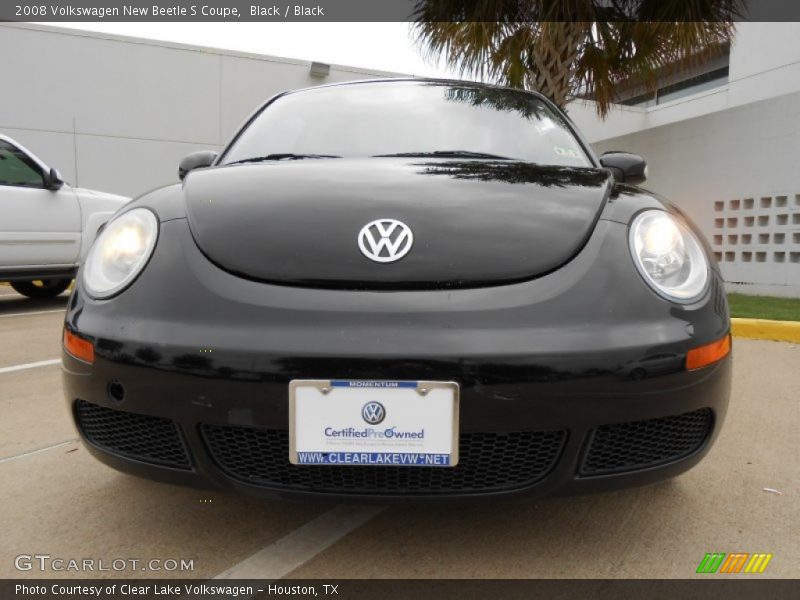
41	288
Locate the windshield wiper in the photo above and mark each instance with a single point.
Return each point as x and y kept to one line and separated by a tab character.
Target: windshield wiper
281	156
444	154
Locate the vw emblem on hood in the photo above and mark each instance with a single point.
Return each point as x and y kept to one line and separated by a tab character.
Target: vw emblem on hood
385	240
373	412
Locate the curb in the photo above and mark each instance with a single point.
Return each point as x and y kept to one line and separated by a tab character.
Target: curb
764	329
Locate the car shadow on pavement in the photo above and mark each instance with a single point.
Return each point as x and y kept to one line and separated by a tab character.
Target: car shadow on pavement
637	532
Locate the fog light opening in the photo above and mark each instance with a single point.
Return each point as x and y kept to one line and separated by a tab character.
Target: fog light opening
116	391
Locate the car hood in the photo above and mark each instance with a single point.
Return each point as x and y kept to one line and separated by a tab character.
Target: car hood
474	222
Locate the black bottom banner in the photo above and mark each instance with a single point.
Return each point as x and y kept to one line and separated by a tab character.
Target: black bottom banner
386	589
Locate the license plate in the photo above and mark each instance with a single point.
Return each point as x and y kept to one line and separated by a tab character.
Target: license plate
373	423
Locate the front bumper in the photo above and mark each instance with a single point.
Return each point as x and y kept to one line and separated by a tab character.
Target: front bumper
533	444
548	371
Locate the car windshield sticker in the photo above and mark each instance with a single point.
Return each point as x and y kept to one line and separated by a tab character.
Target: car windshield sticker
561	151
545	126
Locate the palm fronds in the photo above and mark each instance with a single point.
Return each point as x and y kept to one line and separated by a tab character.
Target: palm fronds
571	48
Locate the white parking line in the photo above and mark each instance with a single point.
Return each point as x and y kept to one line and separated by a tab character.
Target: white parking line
33	365
284	556
45	449
35	312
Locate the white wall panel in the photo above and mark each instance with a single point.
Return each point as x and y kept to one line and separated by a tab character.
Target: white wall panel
129	166
132	108
59	81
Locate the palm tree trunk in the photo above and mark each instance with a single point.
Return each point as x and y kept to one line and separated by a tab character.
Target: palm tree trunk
554	59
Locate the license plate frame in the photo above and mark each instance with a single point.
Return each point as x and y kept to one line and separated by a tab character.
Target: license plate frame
395	393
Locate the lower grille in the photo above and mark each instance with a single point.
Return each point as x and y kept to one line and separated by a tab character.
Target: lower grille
642	444
145	438
487	462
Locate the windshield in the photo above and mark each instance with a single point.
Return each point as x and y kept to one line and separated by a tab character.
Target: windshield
413	119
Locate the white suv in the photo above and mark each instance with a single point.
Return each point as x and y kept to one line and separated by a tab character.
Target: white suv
46	226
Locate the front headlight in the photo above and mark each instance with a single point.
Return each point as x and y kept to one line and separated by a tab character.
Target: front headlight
120	253
669	256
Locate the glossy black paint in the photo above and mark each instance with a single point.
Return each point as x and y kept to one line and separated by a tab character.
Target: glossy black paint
563	350
196	160
625	167
475	223
571	342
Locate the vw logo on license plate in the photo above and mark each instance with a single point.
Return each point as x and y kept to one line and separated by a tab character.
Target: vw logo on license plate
373	412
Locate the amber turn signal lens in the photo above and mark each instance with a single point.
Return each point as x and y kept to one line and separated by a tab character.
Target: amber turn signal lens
78	347
708	354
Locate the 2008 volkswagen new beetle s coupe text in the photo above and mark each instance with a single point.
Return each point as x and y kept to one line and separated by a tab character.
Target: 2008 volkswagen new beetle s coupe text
400	288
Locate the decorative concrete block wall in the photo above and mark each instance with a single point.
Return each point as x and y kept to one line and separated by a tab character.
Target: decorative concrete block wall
756	239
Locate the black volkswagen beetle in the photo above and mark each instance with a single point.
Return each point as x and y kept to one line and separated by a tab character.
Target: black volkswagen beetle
401	288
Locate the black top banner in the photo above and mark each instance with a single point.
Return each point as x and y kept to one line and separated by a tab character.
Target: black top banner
373	10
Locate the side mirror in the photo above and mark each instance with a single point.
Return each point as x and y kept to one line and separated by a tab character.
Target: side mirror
53	180
626	167
196	160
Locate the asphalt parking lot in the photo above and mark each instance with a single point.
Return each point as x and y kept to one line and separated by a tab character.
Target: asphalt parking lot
57	500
